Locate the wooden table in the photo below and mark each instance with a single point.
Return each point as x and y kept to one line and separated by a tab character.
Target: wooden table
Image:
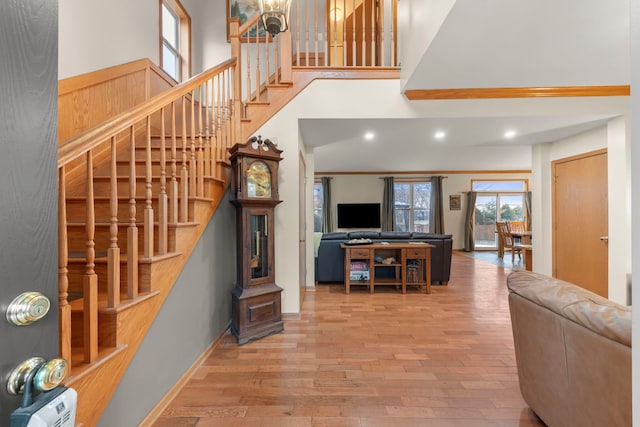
527	251
402	257
523	236
525	246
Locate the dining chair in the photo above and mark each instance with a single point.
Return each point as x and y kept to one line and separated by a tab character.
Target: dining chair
508	244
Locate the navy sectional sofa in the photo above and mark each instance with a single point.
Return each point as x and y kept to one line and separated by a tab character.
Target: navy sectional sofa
330	259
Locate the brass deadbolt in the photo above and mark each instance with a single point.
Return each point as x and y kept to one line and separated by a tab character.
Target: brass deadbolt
27	308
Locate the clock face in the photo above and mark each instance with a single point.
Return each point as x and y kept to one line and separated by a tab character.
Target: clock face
258	180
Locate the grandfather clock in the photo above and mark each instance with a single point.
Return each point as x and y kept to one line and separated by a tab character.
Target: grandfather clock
256	308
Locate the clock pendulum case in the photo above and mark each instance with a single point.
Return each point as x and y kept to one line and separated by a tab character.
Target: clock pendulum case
256	299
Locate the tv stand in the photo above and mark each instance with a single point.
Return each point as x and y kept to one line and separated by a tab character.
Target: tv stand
411	263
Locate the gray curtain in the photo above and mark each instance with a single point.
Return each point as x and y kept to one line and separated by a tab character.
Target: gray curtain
388	203
327	220
436	219
527	207
469	240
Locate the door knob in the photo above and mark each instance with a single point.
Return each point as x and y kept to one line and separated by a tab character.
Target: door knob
48	375
51	374
17	378
604	238
27	308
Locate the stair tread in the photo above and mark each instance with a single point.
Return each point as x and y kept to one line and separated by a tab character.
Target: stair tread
279	85
107	198
125	223
142	177
77	303
77	257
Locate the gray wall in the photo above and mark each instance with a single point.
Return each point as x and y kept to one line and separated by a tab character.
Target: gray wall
28	179
196	312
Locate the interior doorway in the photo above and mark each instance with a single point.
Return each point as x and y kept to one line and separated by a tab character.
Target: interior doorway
302	228
580	221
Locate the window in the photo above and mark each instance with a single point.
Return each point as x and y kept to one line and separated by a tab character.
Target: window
175	49
412	203
318	203
496	201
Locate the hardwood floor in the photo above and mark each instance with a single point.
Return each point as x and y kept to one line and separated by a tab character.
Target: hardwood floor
382	360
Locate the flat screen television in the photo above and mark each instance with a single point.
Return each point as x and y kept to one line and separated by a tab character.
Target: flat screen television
358	215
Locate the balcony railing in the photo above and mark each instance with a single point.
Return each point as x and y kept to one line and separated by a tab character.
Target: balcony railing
351	34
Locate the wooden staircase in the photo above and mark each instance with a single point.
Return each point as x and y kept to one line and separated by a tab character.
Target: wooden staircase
135	194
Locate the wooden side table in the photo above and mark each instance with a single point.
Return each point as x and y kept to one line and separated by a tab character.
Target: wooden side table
400	256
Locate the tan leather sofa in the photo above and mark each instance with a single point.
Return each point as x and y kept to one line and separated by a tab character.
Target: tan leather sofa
573	352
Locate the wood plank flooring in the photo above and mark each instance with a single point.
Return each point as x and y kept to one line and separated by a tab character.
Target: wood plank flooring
382	360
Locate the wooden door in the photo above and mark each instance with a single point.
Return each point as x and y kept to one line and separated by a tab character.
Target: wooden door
28	137
580	217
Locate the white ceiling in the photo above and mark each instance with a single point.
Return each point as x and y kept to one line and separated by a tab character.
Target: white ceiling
489	43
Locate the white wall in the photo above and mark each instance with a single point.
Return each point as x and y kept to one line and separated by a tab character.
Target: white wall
614	138
208	33
98	34
418	24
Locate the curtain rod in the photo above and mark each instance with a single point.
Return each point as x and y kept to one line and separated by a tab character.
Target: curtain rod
414	177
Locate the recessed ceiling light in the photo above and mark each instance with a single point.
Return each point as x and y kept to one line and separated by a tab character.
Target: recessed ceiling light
510	134
440	134
369	136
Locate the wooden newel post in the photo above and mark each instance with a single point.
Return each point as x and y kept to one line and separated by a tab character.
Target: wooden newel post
285	57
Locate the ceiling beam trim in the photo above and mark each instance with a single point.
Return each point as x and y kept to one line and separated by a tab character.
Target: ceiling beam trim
517	92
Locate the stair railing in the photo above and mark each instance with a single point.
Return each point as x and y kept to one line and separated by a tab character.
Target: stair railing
195	123
344	33
362	36
266	59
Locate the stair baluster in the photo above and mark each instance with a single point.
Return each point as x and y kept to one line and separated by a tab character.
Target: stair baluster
64	309
163	227
184	174
200	151
132	229
113	253
192	146
207	128
148	244
173	187
90	279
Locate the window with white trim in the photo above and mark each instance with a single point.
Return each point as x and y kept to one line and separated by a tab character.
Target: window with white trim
412	205
175	39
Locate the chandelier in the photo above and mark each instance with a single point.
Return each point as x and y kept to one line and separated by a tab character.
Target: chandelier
275	15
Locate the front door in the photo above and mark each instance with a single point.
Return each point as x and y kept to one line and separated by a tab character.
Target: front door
28	192
580	250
